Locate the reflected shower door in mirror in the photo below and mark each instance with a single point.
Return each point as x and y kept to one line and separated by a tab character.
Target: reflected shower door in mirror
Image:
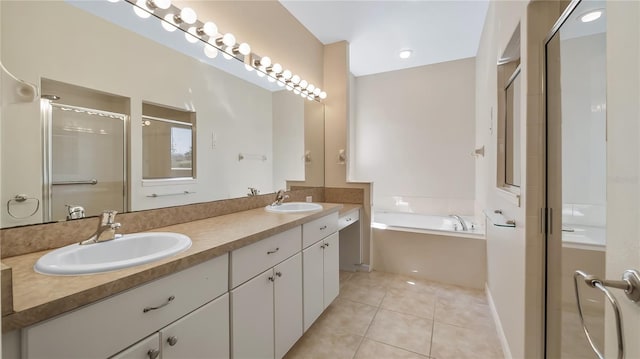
86	162
576	100
103	47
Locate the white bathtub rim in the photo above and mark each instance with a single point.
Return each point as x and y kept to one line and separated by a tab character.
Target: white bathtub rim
476	234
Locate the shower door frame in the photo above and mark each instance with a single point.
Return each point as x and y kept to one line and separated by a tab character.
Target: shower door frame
46	113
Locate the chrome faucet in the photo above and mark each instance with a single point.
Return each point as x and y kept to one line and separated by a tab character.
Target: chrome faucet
106	228
74	211
253	192
462	223
280	197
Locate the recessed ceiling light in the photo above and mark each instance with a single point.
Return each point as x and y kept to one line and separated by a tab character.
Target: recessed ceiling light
405	54
591	16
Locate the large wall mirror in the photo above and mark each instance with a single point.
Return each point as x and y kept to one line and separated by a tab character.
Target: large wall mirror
106	72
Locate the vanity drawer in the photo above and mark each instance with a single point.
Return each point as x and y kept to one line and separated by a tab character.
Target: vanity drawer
104	328
249	261
348	219
318	229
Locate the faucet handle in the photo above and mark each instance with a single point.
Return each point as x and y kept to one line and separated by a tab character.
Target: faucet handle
109	216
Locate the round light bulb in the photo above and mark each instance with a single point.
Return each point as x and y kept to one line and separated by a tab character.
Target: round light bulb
265	61
191	35
280	83
248	67
317	91
296	91
141	9
228	39
188	15
286	74
295	79
304	84
162	4
405	54
289	87
244	49
210	28
260	72
227	53
168	23
276	68
323	95
304	94
271	79
210	51
310	98
591	16
310	88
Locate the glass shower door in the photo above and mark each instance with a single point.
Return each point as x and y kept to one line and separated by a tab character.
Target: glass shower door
86	161
576	180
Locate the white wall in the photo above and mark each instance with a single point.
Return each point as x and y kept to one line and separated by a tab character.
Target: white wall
413	136
288	139
584	165
100	57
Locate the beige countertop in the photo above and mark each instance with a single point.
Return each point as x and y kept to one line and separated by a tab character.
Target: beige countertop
37	297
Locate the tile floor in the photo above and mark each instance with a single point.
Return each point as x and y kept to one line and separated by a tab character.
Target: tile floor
386	316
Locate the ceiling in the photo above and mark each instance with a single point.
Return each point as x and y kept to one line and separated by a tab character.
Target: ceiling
436	30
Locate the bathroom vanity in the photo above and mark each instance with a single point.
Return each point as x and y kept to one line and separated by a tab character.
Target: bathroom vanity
249	286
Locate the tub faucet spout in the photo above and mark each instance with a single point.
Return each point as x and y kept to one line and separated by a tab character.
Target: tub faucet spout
462	223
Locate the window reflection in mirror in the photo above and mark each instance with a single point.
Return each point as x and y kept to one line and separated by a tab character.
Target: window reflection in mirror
512	130
167	143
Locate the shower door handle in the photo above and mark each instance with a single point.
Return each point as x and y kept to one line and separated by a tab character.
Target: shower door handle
630	283
92	181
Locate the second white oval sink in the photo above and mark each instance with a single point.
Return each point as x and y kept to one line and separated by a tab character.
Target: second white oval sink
294	207
126	251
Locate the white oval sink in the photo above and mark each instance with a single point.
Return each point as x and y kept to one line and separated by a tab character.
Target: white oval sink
126	251
294	207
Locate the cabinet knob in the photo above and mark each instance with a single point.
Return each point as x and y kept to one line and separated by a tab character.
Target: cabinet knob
172	340
272	279
279	274
323	228
153	353
326	244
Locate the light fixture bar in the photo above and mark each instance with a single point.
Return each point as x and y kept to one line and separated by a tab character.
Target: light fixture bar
186	20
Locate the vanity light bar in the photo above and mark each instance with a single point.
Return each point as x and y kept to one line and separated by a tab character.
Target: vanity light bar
186	20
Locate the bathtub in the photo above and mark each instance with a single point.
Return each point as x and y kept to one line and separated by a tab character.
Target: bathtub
422	223
584	237
429	247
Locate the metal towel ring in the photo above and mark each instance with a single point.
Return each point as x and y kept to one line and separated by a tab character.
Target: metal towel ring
19	198
595	282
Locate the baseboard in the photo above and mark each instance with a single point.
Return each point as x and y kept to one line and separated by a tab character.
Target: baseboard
363	268
496	319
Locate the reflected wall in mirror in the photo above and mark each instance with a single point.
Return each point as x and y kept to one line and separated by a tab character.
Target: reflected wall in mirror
235	116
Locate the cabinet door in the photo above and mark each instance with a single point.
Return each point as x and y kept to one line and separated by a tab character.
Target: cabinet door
288	304
148	348
331	269
313	282
252	318
204	333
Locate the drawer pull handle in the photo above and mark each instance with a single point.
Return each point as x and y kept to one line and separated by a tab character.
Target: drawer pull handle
323	245
153	353
349	219
323	227
172	340
169	300
273	251
279	274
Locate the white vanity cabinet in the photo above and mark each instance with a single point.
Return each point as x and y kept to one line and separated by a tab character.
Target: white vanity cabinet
148	348
105	328
320	266
266	311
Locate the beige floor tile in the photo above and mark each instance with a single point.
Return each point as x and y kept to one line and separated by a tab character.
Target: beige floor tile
363	291
451	342
344	276
414	284
410	302
370	349
459	293
324	344
345	316
463	313
380	279
401	330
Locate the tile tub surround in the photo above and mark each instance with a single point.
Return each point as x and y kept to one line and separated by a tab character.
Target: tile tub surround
383	315
33	238
37	297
